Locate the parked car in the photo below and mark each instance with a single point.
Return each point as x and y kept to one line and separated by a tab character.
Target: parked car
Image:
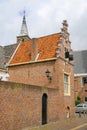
81	108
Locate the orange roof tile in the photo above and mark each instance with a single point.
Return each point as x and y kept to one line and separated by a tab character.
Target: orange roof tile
46	47
23	54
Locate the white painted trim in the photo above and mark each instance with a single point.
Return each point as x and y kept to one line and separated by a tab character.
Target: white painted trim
37	56
69	92
3	70
82	74
31	62
13	54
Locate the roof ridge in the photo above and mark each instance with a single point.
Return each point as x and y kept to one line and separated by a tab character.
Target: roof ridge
13	54
48	35
10	45
79	50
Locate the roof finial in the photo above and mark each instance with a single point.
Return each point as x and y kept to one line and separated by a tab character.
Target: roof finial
24	12
24	30
64	30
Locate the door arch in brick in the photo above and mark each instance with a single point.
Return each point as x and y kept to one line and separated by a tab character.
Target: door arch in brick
44	109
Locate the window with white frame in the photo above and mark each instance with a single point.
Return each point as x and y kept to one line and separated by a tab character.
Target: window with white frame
66	84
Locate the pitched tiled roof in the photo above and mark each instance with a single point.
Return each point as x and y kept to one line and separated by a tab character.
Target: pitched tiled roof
9	49
2	58
23	54
80	62
46	47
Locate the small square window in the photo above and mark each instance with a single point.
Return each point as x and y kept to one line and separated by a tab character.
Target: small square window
85	99
84	80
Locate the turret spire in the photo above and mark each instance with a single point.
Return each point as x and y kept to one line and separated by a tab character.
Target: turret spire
24	30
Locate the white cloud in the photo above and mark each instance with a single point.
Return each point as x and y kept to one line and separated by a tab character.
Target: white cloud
43	18
44	12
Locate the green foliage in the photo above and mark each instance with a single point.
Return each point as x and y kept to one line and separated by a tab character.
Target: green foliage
77	101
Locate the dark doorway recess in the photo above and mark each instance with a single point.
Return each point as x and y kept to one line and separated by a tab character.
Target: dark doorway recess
44	109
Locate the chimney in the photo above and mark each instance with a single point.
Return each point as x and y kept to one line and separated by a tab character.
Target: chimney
34	51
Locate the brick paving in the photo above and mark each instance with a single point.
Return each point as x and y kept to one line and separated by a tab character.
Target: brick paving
67	124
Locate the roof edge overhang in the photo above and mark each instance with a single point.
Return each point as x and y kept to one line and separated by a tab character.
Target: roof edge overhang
3	70
80	74
65	60
32	62
23	35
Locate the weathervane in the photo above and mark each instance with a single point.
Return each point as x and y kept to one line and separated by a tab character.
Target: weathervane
24	12
24	30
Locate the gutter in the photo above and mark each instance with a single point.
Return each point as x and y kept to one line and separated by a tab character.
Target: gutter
81	74
32	62
3	70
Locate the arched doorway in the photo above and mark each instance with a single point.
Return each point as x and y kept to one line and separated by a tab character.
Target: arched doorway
44	109
68	111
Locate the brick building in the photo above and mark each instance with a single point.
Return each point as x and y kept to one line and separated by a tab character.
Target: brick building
46	62
3	70
80	75
33	57
41	81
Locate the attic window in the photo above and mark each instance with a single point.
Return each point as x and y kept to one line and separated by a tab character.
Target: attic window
23	40
66	53
37	56
66	50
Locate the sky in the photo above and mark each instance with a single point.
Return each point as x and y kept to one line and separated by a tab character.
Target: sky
44	17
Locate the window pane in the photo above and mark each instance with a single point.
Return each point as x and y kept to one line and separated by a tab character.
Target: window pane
65	88
85	99
66	84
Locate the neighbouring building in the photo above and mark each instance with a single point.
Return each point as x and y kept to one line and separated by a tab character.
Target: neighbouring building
5	54
80	75
3	70
7	51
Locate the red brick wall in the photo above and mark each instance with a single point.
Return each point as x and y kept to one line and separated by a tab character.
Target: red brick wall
21	105
35	74
65	67
79	89
84	93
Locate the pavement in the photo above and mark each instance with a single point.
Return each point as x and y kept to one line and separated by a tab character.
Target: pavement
75	123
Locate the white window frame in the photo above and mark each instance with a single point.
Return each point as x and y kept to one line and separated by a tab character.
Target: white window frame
67	84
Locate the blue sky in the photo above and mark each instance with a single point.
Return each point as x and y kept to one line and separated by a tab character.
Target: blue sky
44	17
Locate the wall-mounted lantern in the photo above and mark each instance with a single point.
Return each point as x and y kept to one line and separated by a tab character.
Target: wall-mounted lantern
48	75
